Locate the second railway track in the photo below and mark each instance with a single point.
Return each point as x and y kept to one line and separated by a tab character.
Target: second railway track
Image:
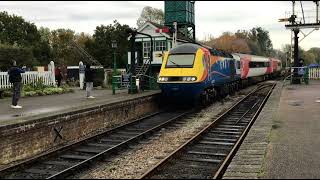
72	158
208	153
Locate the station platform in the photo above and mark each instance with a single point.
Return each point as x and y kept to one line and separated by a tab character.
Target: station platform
294	147
284	141
42	106
48	123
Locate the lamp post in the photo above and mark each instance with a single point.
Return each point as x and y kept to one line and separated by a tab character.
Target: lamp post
114	46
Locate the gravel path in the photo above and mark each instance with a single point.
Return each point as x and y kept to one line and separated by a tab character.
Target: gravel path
132	163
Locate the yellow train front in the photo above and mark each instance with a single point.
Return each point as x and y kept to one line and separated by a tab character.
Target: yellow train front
184	71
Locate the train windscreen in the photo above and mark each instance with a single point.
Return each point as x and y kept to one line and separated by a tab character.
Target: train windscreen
180	61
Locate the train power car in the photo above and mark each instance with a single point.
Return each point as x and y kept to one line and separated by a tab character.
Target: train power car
191	72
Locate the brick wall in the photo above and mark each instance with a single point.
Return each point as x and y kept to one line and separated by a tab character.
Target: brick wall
21	141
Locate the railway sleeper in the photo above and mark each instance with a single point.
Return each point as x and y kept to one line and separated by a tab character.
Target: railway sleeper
227	129
211	148
215	161
58	163
216	143
220	139
231	126
88	150
75	157
224	132
41	171
206	153
129	133
100	145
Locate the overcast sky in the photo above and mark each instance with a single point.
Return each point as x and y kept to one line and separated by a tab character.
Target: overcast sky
212	17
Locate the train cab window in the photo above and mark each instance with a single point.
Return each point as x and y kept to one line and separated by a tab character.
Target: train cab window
180	61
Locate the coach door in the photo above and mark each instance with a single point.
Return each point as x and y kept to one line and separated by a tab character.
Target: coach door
232	69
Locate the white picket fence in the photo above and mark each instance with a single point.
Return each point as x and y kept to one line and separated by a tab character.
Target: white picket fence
314	73
27	78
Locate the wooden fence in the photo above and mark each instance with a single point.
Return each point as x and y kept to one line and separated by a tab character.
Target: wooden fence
30	77
314	73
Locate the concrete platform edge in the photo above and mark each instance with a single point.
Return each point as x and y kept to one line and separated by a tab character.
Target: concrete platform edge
248	163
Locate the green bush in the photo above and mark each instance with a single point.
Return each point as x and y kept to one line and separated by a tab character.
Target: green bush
30	94
7	93
39	89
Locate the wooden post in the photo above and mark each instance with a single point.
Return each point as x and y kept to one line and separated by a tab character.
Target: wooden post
51	69
81	74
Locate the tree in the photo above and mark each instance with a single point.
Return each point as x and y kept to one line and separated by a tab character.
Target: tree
263	40
15	30
82	39
230	43
42	50
316	52
8	53
62	51
151	14
258	41
308	57
101	48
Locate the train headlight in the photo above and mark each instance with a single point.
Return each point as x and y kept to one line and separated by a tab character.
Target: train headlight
193	79
188	78
184	79
165	78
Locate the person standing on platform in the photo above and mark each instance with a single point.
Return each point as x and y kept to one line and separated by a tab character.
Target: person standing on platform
15	78
89	81
58	75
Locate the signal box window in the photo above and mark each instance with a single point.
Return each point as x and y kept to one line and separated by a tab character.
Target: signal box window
146	49
160	46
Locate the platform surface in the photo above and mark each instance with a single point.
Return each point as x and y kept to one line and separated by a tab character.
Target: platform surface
42	106
294	148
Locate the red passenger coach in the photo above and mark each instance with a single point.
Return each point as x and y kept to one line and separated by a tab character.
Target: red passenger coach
254	66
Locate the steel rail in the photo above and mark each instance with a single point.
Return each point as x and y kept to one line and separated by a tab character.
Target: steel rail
171	156
115	148
228	159
27	163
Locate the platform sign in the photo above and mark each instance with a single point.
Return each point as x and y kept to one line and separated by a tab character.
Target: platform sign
125	79
81	68
301	71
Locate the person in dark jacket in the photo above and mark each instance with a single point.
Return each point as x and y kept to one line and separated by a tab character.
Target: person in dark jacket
58	75
15	78
89	81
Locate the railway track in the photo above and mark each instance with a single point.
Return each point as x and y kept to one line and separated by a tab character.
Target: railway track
209	152
70	159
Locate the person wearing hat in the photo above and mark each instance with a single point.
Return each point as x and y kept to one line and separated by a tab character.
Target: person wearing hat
15	78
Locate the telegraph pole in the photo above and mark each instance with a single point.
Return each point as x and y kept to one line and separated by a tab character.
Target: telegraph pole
295	79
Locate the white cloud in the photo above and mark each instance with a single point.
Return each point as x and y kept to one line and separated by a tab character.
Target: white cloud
212	17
